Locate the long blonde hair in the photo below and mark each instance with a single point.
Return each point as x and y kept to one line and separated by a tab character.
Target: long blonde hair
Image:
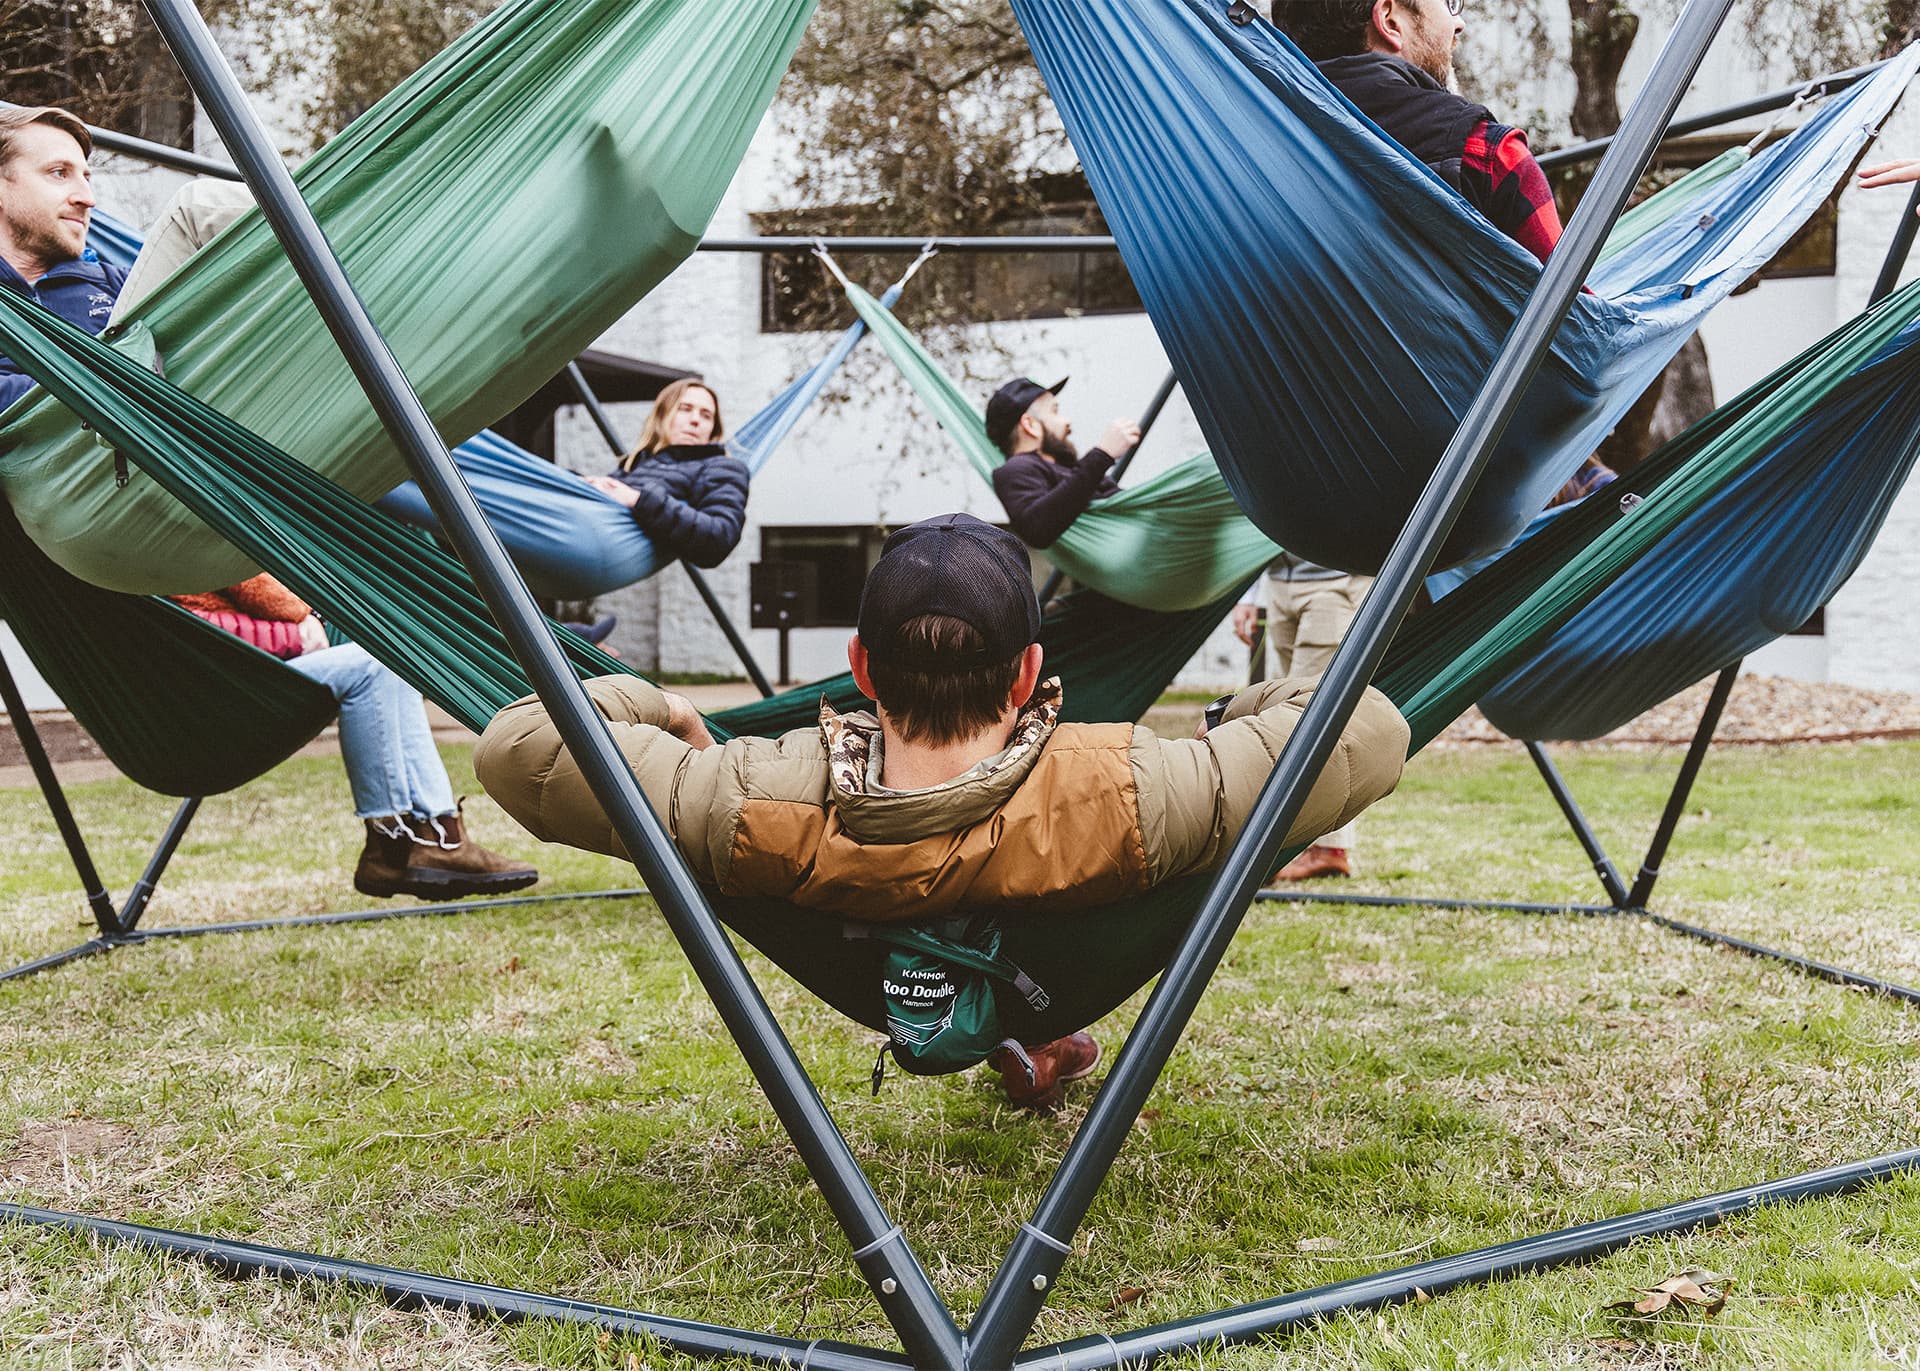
653	434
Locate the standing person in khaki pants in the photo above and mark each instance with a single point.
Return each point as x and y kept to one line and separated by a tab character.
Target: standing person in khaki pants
1309	608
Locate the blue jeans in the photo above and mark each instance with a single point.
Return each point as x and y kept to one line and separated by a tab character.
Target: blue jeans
388	749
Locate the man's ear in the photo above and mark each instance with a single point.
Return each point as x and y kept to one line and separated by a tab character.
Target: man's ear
1385	30
1028	679
1030	425
857	661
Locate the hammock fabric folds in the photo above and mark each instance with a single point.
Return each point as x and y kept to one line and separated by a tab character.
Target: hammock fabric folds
641	111
1752	563
1174	542
1253	205
414	607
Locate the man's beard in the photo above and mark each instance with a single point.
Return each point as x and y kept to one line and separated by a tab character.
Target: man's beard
1059	447
44	240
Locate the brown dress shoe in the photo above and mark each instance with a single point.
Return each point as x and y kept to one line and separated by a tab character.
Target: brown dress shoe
1035	1077
1316	863
434	859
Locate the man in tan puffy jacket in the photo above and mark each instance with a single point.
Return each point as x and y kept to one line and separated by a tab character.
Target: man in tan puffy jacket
963	794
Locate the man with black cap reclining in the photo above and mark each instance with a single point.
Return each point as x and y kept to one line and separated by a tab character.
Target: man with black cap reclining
964	794
1045	483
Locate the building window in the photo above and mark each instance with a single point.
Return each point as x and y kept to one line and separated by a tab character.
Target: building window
797	296
842	555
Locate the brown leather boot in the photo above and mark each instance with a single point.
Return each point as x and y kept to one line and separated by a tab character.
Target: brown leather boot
1053	1064
1317	863
434	859
383	861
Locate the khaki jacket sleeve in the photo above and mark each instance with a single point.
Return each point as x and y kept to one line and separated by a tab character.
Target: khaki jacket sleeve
1195	794
522	763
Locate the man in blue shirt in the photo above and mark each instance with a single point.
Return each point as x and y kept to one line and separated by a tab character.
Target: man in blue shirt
46	207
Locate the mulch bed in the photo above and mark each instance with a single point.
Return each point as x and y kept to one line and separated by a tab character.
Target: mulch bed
1763	710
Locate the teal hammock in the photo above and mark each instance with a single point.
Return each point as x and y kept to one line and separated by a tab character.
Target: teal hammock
415	608
446	218
1332	306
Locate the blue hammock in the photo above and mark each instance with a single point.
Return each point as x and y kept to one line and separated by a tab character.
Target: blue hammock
1752	563
1332	306
569	540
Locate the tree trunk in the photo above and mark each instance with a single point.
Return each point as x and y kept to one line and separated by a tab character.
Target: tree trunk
1603	34
1680	395
1902	26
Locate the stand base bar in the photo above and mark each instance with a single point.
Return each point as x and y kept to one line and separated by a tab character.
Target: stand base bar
414	1289
1424	902
352	916
93	947
1838	975
1445	1273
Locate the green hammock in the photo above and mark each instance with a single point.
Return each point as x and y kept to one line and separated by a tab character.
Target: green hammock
415	608
498	211
180	706
1176	541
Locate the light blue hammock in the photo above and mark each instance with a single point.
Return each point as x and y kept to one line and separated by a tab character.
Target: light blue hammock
1750	564
569	540
1332	306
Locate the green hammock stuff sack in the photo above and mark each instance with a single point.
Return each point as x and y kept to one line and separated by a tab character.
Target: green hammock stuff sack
498	211
940	990
415	608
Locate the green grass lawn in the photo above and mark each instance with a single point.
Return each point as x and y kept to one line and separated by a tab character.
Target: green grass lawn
544	1099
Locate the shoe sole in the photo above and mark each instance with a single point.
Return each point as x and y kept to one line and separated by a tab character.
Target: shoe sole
1086	1070
451	887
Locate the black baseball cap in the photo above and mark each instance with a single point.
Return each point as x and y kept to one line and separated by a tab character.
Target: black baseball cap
955	565
1013	400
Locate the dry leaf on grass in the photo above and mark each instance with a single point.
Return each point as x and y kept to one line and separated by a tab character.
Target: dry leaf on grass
1692	1289
1316	1244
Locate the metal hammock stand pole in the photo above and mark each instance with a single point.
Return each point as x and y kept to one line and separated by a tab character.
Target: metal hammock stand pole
1633	900
931	1337
119	925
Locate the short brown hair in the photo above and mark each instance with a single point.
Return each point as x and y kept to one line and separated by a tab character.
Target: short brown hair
653	434
939	707
1324	29
13	119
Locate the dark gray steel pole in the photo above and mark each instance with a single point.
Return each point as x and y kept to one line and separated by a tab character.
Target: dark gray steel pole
899	1282
99	902
1517	1258
137	898
1577	820
1019	1287
1897	251
415	1289
1147	421
604	422
1682	788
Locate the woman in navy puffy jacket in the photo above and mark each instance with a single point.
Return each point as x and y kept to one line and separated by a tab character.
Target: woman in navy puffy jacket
686	494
